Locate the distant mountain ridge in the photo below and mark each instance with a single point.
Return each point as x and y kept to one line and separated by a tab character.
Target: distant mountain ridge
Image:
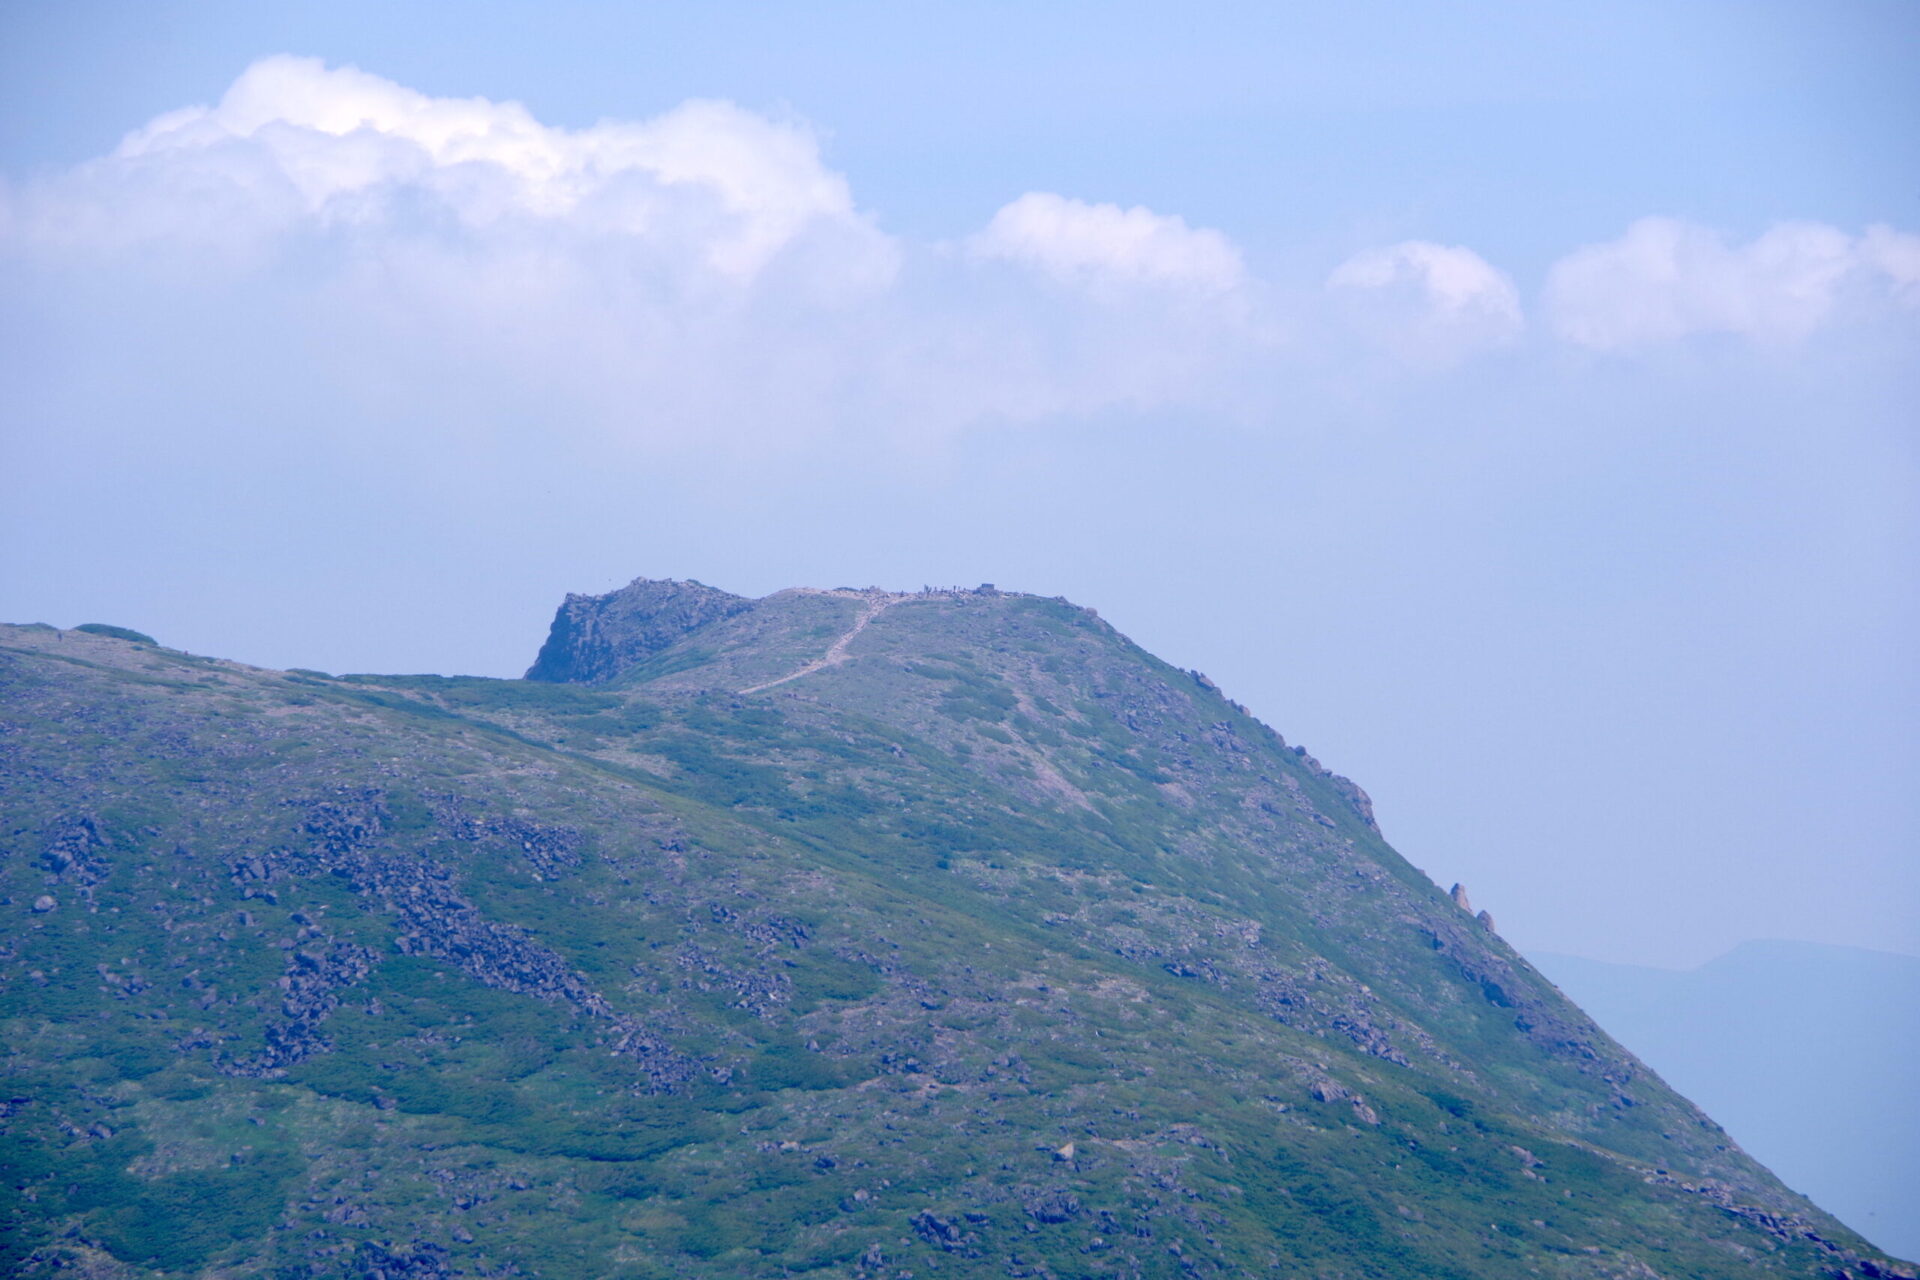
1804	1051
840	932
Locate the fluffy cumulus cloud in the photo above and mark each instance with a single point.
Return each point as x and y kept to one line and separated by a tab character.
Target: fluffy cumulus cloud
1666	279
705	278
1078	242
295	143
1430	303
700	272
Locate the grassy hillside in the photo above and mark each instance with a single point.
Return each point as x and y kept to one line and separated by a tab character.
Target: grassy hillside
835	933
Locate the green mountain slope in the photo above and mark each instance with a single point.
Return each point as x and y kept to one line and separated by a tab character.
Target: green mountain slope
835	933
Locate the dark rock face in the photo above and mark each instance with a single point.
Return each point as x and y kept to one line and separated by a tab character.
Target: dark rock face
596	638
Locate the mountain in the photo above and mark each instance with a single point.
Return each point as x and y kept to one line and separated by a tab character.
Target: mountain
1804	1051
839	933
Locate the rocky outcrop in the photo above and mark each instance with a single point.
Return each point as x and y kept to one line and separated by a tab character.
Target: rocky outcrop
310	991
552	851
1327	1089
1318	998
422	1259
1788	1228
346	838
73	852
595	639
945	1234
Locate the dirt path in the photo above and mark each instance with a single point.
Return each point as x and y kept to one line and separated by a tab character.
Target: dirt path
836	652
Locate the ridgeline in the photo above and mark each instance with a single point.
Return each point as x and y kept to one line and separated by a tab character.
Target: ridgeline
837	933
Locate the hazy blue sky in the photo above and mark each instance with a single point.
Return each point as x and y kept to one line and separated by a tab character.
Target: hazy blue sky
1516	404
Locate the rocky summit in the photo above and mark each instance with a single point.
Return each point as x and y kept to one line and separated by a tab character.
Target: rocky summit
841	933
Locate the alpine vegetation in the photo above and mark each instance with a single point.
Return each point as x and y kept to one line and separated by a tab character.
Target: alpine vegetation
843	933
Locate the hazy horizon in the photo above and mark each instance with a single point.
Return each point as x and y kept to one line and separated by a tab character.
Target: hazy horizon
1749	1037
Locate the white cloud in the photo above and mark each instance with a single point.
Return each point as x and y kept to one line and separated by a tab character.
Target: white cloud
703	279
296	145
691	280
1074	241
1430	303
1896	256
1666	279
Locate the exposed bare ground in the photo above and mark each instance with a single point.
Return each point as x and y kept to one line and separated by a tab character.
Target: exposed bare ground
836	653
